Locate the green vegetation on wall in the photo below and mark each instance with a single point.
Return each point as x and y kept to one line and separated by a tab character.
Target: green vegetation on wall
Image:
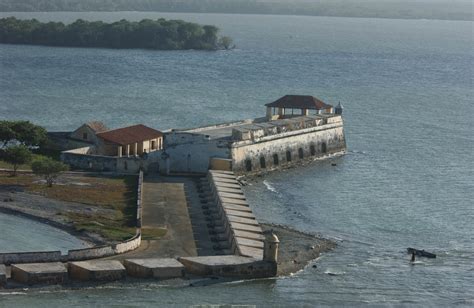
147	34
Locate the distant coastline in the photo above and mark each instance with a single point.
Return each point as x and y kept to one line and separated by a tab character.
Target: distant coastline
393	9
157	34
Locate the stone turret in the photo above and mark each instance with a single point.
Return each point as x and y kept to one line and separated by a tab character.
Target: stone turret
270	247
339	109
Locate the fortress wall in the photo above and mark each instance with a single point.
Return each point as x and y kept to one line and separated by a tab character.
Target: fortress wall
290	148
190	152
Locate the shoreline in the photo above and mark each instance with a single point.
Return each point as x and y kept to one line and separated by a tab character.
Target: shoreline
368	16
297	248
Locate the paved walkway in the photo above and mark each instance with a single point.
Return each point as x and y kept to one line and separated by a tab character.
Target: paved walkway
165	206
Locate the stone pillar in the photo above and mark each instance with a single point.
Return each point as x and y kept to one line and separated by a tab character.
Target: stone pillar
270	247
269	113
281	111
119	151
128	149
135	149
305	112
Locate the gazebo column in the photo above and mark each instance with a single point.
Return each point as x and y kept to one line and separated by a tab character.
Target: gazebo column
135	149
128	149
269	113
281	111
119	151
305	112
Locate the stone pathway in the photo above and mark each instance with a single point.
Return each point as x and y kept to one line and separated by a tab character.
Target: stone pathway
165	206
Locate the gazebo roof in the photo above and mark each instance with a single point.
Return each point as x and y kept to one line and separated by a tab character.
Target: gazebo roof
299	102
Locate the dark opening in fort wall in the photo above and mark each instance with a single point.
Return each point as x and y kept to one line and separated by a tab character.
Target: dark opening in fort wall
288	148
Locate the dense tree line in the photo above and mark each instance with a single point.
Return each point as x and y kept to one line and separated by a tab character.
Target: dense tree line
428	9
148	34
22	132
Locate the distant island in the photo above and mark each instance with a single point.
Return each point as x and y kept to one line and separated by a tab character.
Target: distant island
401	9
158	34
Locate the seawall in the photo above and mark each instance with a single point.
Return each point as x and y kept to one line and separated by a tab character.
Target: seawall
304	139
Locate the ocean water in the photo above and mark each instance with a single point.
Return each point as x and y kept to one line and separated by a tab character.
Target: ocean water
21	235
407	180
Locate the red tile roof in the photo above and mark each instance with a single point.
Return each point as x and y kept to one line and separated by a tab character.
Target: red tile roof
299	102
131	134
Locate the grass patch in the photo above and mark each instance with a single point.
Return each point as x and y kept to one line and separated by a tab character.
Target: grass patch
5	165
153	233
117	194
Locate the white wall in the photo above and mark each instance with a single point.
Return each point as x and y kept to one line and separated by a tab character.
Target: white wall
332	135
189	152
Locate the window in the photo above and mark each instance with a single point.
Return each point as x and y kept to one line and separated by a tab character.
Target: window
263	165
312	150
275	159
323	147
288	156
84	136
248	165
300	153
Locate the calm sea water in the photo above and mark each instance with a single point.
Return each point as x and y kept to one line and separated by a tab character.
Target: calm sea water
20	234
407	88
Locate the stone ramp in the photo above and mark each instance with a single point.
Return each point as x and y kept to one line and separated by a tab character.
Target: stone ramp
164	205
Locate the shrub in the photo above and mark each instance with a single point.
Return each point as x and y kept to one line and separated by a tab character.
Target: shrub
48	168
17	155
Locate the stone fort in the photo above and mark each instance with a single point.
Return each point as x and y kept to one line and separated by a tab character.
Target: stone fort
296	128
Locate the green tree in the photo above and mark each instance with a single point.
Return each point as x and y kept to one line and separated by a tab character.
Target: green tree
17	155
149	34
6	132
28	133
48	168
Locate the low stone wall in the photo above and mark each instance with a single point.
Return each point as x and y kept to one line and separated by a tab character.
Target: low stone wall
128	245
30	257
85	253
82	158
89	253
244	233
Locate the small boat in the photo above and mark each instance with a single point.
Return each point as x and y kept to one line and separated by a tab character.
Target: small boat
421	253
